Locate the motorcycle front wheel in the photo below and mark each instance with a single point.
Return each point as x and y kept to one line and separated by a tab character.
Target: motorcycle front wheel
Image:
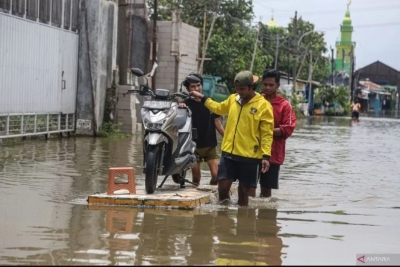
152	166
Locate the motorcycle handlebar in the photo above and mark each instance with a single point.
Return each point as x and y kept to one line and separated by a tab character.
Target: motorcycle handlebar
181	94
178	94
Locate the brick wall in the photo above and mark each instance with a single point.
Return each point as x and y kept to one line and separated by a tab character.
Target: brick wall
188	44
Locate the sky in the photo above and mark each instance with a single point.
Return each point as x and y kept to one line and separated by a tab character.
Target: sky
376	24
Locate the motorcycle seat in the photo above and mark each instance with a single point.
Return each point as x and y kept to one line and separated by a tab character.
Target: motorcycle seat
181	117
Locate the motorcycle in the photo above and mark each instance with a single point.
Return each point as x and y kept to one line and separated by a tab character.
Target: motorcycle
168	147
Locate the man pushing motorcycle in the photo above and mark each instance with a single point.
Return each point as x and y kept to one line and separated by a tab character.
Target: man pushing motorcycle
206	124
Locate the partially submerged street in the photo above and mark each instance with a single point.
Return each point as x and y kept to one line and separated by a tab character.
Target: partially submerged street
339	197
274	125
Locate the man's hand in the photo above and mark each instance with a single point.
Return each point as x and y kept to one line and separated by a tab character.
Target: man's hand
264	166
197	95
182	105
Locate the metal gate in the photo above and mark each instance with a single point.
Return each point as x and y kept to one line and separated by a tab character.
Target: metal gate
38	66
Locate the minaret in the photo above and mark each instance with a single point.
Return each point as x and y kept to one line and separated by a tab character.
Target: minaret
345	47
272	23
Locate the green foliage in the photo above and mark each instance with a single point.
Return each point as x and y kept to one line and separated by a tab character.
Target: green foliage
294	101
232	41
109	129
330	95
288	41
228	60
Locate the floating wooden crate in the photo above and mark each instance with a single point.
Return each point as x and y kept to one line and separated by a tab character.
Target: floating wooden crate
170	196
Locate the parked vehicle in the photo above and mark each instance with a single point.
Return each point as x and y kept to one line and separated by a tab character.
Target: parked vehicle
168	148
212	87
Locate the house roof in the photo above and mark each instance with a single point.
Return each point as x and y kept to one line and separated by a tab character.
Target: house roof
377	62
300	80
371	86
390	87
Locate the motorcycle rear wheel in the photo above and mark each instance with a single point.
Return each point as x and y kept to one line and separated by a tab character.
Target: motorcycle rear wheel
152	166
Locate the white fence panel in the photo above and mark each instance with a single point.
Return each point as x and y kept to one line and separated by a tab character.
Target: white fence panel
38	67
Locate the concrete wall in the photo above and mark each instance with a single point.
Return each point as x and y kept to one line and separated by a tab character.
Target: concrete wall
102	18
189	44
165	73
168	65
134	34
128	110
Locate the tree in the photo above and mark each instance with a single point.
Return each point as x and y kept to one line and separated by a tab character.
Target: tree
232	39
232	53
288	49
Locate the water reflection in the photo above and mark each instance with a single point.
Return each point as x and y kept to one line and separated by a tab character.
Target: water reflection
158	237
247	237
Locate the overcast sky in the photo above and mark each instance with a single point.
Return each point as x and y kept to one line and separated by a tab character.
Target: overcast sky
376	24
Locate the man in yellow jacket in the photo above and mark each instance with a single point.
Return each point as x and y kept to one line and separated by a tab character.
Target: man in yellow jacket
248	136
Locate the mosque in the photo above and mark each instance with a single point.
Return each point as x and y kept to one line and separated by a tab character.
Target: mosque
340	67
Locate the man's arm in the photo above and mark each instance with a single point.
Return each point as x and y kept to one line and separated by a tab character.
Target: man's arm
221	108
219	126
215	107
286	129
267	131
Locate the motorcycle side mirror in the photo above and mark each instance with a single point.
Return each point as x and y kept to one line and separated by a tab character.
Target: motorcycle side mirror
137	72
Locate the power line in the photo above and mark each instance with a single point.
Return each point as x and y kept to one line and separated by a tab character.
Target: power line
360	26
331	11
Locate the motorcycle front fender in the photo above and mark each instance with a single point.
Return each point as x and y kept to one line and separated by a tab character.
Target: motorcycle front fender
156	138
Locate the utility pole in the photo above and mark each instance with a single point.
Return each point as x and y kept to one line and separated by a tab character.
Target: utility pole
200	70
276	51
203	52
295	53
343	57
310	70
352	75
310	83
288	61
333	68
154	52
255	45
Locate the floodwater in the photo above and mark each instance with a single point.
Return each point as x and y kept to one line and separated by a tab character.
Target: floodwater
339	196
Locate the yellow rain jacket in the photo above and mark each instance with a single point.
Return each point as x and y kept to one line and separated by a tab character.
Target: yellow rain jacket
249	128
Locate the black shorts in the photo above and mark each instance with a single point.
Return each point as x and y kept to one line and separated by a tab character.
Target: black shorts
270	179
246	172
355	115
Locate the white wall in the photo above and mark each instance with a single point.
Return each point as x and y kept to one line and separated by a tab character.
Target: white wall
33	57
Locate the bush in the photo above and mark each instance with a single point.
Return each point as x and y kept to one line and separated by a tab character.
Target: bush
109	129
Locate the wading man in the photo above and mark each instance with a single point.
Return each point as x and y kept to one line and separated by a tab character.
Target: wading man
248	136
206	123
284	125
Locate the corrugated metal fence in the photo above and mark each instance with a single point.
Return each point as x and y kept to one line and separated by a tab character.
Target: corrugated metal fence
38	66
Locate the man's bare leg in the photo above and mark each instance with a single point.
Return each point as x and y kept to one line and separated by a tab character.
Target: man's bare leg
196	173
252	192
243	193
213	165
265	192
224	187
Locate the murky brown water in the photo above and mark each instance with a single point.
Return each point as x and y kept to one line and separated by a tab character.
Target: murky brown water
339	196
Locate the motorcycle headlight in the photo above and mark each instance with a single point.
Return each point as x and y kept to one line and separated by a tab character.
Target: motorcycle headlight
153	125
